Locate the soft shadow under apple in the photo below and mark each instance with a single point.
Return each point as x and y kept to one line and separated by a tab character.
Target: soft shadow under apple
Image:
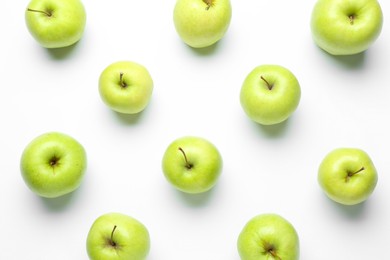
352	62
274	131
60	203
206	51
62	53
128	119
196	200
354	212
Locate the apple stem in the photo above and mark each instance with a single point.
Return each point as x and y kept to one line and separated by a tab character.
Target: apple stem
112	243
121	81
275	255
271	250
266	82
350	174
208	3
188	165
49	14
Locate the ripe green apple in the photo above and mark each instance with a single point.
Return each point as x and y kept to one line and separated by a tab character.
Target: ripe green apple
116	236
53	164
345	27
268	236
347	175
192	164
270	94
56	23
201	23
126	87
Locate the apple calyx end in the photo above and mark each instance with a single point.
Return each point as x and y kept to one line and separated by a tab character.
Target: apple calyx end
352	18
121	81
188	165
48	13
270	86
54	161
351	174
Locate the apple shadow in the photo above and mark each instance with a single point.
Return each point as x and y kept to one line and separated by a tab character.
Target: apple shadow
61	53
205	51
355	61
350	211
60	203
196	200
128	119
274	131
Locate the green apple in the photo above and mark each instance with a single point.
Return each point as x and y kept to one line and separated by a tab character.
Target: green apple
56	23
347	175
345	27
126	87
268	237
270	94
201	23
192	164
53	164
116	236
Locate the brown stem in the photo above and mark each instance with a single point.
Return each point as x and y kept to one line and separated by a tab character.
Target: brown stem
208	3
49	14
274	255
271	250
350	174
121	81
266	82
112	243
188	165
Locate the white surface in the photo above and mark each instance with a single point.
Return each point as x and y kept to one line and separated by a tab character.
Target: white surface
345	102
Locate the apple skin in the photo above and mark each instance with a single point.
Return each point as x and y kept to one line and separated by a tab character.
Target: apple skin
347	175
53	164
344	27
204	160
268	236
202	23
129	93
270	94
64	27
129	241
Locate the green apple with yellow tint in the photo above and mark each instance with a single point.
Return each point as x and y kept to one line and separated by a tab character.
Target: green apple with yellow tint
53	164
126	87
56	23
116	236
270	94
346	27
268	237
347	175
202	23
192	164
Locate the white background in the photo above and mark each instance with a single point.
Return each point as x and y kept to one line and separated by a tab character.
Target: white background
345	102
